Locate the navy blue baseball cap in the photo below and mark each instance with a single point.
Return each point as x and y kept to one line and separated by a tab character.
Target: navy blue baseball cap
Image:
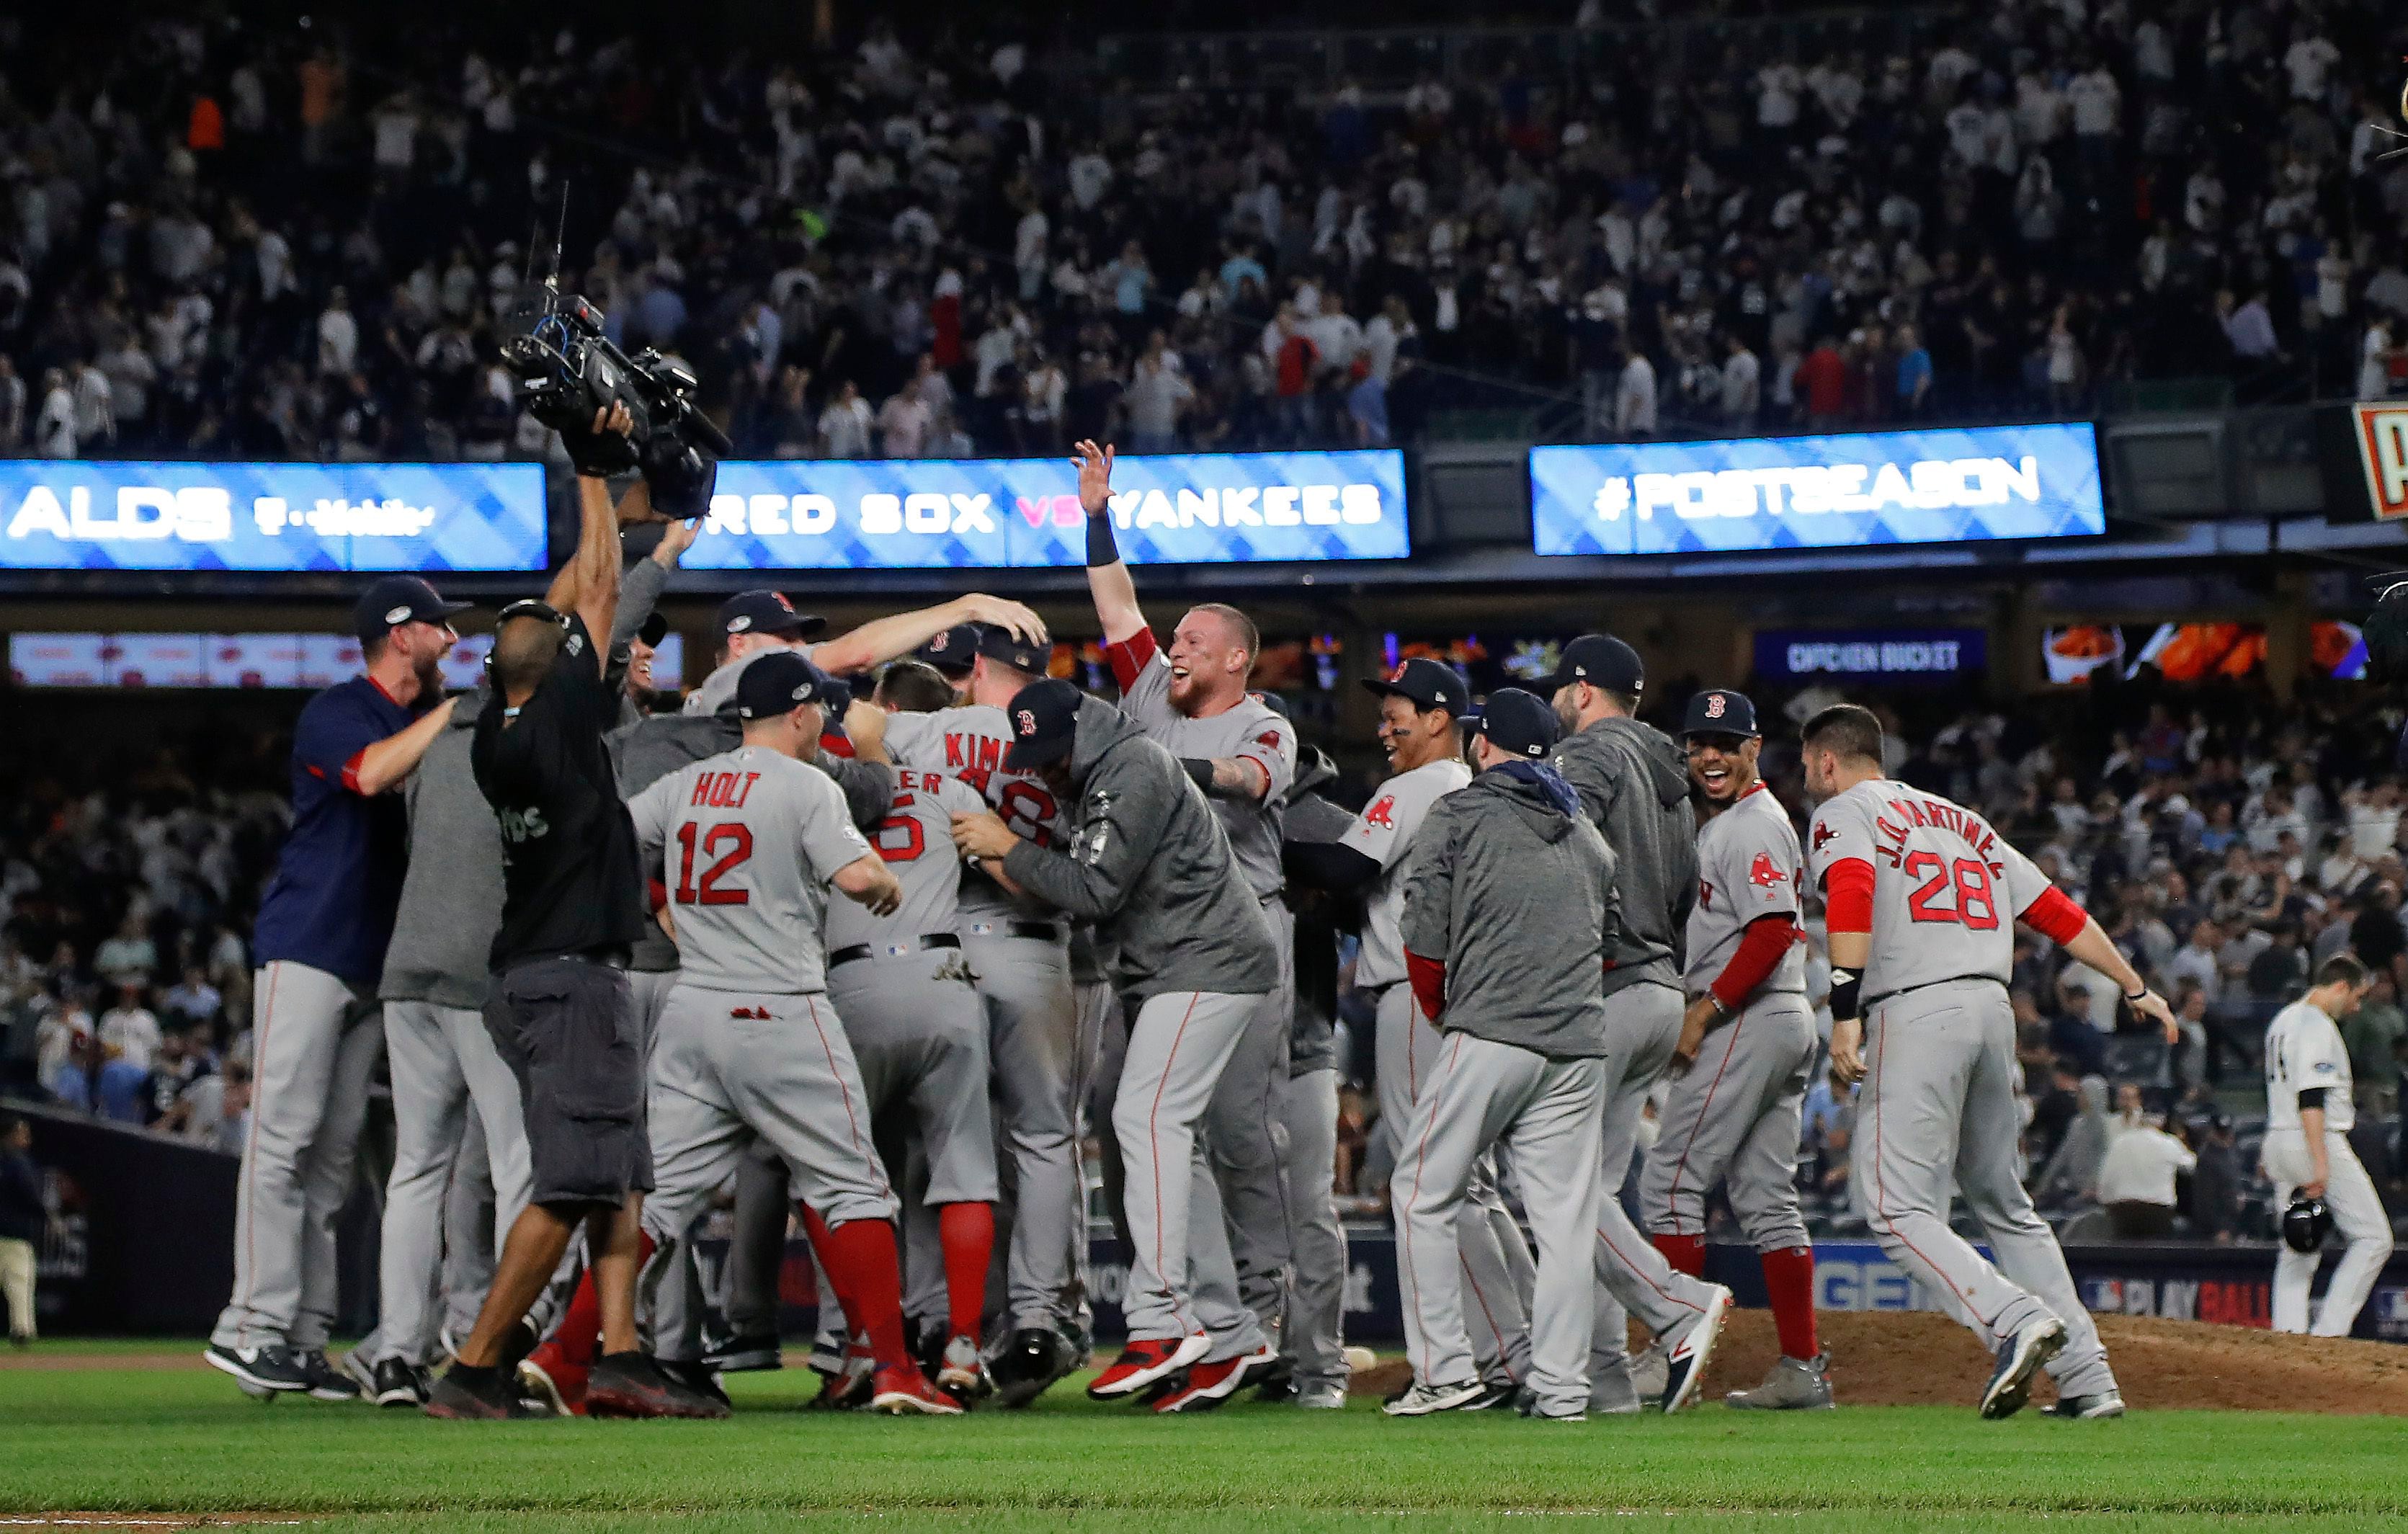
777	682
951	651
1519	723
397	599
1601	661
1426	684
999	644
1044	725
1719	711
766	613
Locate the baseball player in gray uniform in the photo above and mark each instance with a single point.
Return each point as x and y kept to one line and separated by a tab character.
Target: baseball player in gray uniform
1145	858
905	991
1922	897
1192	699
1634	786
1421	706
1019	950
748	1044
1747	1042
2306	1153
1506	914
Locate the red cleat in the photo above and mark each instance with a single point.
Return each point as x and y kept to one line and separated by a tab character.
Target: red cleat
901	1389
1146	1360
548	1375
1209	1384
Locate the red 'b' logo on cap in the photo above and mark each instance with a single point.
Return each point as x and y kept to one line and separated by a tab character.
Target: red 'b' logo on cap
1714	706
1028	723
1397	675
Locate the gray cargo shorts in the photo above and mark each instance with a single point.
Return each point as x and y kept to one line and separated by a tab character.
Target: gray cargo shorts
568	1031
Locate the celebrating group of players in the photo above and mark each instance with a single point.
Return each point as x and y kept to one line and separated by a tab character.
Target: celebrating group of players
612	936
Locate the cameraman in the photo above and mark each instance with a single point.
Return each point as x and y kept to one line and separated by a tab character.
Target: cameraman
572	907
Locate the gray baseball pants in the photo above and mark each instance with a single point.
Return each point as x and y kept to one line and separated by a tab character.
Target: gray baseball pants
314	1049
1735	1119
1032	1046
1481	1094
1498	1275
1937	1108
471	1240
1245	1135
442	1060
1314	1333
1180	1044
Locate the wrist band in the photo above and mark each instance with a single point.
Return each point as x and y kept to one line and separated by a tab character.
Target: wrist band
2135	995
1846	1001
1102	549
1201	769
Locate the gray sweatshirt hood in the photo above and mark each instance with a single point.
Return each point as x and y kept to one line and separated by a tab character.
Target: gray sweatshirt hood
1527	798
1667	769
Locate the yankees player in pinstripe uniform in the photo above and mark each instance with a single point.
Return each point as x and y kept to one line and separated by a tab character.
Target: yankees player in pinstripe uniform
1922	899
1634	787
1192	699
1747	1042
321	936
747	844
1145	859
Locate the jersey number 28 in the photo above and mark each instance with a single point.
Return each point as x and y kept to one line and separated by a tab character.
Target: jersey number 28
1975	906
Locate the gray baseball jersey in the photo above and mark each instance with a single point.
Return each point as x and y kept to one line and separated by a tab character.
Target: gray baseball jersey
917	840
751	839
1251	730
1384	833
1946	887
967	743
1748	867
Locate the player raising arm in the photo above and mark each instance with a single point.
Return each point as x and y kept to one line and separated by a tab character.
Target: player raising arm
1922	897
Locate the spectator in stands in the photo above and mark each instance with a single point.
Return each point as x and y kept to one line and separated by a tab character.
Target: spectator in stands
2136	1180
24	1219
193	1002
2374	1034
129	956
130	1030
2072	1175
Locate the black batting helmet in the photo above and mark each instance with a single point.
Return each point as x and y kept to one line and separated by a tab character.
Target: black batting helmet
2306	1224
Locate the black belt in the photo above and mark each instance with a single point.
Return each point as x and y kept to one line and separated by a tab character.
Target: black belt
892	951
1925	985
1043	932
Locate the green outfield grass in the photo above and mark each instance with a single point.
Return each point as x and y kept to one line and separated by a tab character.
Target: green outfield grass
152	1440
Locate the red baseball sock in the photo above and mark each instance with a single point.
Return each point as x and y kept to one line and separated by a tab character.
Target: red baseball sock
859	1257
967	1232
580	1335
1789	1282
1687	1254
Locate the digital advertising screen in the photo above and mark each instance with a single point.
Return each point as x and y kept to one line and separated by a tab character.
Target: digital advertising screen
1774	493
998	513
270	518
1898	655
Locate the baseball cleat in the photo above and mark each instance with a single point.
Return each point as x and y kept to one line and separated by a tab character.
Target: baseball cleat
2107	1403
2020	1358
270	1369
1650	1369
1493	1394
1685	1361
1424	1401
487	1396
902	1390
326	1382
700	1378
1146	1360
630	1384
1277	1383
846	1388
1209	1384
1321	1399
747	1354
1794	1384
396	1384
961	1373
548	1376
1527	1403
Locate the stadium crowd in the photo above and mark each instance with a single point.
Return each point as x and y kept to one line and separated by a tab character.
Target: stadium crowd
2227	843
244	242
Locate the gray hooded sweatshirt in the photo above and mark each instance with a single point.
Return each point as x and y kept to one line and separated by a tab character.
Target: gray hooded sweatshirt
1633	784
1515	894
1148	862
451	896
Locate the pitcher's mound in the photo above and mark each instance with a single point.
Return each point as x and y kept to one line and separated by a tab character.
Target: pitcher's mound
1917	1358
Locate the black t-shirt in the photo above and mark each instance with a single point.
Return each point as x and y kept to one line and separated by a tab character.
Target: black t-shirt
572	880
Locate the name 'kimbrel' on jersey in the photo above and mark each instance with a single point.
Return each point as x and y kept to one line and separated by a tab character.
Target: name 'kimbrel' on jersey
1946	887
745	843
968	744
916	841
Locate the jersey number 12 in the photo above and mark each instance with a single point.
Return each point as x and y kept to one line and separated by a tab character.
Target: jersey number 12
733	835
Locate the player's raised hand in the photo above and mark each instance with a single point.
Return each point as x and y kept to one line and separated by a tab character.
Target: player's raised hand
676	538
1095	476
1003	612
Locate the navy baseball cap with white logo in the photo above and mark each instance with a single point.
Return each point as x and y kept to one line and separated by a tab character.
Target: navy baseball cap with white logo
1426	684
1519	723
777	683
998	643
1044	718
1601	661
395	600
766	613
1719	711
951	651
